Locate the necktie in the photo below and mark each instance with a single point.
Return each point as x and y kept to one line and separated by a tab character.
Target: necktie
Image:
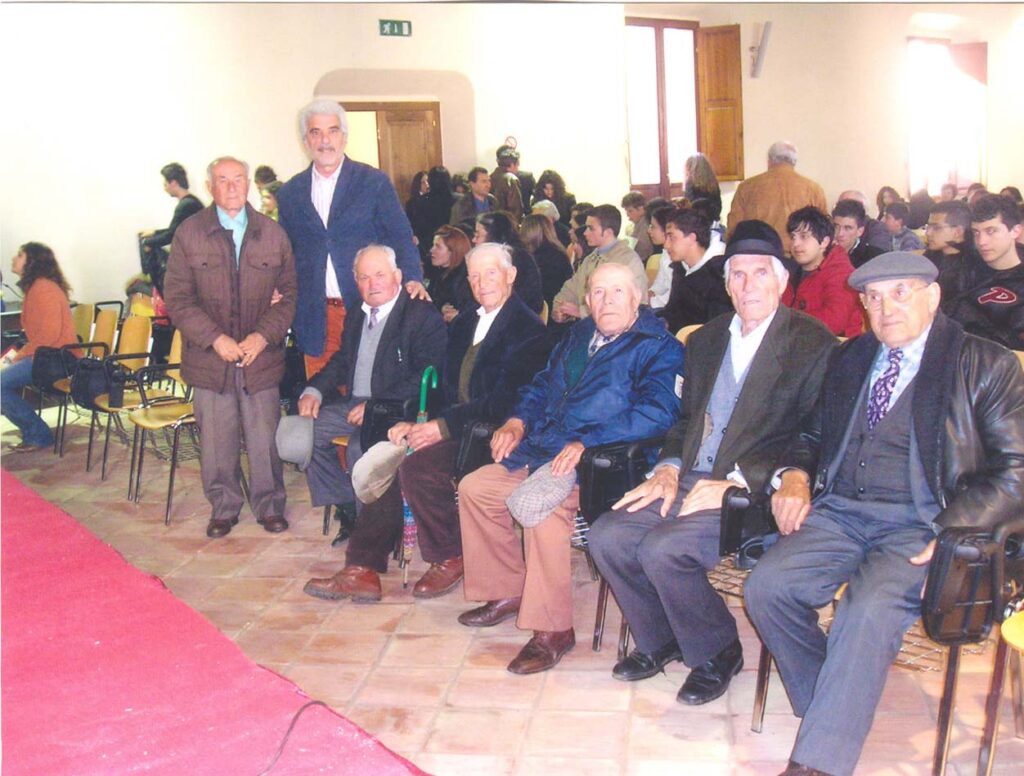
881	391
373	317
598	341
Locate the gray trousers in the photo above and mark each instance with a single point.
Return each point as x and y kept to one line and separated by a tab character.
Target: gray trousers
328	482
224	418
657	568
835	682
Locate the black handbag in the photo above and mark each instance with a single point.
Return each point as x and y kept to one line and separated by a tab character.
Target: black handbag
89	381
50	365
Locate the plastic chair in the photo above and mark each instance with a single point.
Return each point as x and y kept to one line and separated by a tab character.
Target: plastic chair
105	329
81	318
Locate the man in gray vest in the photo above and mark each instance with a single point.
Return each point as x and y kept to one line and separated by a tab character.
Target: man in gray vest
748	378
386	345
919	427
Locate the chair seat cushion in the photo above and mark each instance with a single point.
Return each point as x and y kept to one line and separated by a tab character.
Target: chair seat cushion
132	400
162	415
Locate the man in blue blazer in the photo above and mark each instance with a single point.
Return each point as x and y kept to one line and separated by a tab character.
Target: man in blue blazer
330	210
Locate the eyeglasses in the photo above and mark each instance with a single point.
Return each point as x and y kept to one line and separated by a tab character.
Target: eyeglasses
900	294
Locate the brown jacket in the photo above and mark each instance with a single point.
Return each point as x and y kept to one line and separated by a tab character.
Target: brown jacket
772	196
208	296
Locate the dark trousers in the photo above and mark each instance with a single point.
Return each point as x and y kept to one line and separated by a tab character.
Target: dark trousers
657	568
223	419
835	682
426	479
328	482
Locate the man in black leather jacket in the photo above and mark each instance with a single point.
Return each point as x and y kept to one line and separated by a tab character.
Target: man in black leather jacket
919	426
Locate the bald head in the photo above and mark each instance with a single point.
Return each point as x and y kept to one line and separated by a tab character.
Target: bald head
856	196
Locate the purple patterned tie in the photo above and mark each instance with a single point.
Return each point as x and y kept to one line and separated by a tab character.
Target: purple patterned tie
373	317
881	391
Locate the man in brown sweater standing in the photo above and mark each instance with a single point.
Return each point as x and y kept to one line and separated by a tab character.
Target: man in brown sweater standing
226	264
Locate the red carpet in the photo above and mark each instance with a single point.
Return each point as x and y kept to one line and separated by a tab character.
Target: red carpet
106	672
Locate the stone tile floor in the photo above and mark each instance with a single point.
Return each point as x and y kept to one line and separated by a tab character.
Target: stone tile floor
438	693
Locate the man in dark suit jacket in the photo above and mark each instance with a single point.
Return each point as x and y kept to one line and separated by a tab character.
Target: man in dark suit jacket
388	342
493	350
330	210
748	379
919	427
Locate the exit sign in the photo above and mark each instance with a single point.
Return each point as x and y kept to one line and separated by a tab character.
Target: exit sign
395	27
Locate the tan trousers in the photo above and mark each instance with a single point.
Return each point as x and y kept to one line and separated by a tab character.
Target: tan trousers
495	567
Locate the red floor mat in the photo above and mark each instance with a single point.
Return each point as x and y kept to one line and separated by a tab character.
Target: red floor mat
106	672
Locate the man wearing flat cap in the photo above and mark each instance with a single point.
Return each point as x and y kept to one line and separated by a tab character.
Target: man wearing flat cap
748	378
919	427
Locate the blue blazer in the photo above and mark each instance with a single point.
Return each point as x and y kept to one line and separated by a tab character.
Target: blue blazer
364	210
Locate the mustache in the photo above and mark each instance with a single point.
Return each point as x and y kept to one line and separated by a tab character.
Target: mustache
325	147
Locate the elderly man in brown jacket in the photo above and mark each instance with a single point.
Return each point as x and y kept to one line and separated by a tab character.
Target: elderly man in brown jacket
230	289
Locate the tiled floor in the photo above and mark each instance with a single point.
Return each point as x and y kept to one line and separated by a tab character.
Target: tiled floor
437	692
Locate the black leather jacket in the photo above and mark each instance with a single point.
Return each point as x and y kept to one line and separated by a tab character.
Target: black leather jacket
968	423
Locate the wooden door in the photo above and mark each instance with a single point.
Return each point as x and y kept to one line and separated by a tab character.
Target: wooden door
408	139
720	99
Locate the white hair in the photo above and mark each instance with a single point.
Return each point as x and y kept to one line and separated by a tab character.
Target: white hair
639	285
219	160
782	151
502	251
777	266
387	250
856	196
322	108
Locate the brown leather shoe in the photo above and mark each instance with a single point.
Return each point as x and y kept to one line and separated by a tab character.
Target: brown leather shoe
543	651
218	528
359	583
273	524
440	578
491	613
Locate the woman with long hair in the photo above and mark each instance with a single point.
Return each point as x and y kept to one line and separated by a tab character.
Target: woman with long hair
702	183
499	227
885	197
539	238
46	319
431	212
450	286
551	186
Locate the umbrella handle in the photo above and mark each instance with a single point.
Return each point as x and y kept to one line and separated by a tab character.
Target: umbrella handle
429	376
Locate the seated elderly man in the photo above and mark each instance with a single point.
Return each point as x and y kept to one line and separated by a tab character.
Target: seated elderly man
919	427
386	345
750	376
493	350
611	378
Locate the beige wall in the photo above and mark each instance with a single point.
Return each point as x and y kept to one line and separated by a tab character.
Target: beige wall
97	98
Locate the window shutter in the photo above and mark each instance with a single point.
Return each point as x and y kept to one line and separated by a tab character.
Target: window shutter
720	99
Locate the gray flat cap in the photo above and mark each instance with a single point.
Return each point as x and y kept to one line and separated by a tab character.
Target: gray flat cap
546	207
294	439
892	266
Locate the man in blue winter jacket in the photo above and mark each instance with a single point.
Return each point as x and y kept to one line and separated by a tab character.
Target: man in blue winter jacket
615	377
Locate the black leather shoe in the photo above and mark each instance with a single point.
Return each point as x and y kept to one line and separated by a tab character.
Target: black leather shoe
640	665
346	515
273	524
711	680
218	528
796	769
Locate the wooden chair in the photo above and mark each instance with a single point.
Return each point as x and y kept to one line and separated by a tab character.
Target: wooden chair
544	313
82	318
684	333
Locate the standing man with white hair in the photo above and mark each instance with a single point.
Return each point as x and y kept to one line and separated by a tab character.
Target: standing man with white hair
775	193
330	210
226	263
750	376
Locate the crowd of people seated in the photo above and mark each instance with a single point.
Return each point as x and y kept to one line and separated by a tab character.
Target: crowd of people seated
858	372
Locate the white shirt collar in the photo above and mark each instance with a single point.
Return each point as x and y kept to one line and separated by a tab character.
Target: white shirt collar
332	178
483	325
744	348
382	310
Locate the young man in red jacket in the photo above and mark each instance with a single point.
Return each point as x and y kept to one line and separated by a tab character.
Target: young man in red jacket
819	288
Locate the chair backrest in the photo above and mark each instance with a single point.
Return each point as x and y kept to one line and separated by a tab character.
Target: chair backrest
104	331
653	266
684	333
174	357
1020	357
544	312
135	333
81	318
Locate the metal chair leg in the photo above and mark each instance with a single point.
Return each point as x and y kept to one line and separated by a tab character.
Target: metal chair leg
945	723
131	465
138	470
327	519
594	576
623	639
88	450
58	437
602	610
995	695
764	673
106	447
170	479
